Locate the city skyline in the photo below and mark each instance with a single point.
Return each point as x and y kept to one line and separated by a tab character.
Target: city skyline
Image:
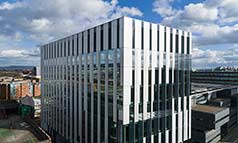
26	24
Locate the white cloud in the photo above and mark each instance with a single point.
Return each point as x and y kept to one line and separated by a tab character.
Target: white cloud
12	53
41	24
40	21
192	14
163	8
130	11
57	18
219	11
17	36
213	23
210	22
207	58
216	34
199	12
228	11
10	6
41	37
19	53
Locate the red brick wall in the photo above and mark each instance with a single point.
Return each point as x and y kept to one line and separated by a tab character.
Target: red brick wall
37	90
22	90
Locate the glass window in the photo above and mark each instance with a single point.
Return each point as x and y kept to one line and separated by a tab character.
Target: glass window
88	42
142	36
158	38
95	40
150	37
118	33
72	46
177	43
82	43
101	35
110	35
165	44
188	45
182	46
171	42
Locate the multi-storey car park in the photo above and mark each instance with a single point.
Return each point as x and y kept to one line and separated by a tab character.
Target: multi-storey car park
215	77
126	80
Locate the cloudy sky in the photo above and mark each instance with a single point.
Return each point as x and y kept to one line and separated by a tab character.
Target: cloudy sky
25	24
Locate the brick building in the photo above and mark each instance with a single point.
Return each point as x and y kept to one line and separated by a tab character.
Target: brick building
18	88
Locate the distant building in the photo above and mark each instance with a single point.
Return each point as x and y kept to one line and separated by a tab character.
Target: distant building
227	68
8	107
18	88
215	77
201	93
34	71
38	74
37	107
207	122
123	81
34	102
214	112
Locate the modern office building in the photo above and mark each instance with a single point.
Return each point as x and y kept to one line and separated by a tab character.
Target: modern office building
123	81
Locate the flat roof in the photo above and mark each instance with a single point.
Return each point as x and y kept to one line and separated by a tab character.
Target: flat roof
203	88
219	99
16	129
15	81
207	108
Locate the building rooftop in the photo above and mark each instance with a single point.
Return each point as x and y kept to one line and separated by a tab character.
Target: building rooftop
202	88
207	109
19	80
16	129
